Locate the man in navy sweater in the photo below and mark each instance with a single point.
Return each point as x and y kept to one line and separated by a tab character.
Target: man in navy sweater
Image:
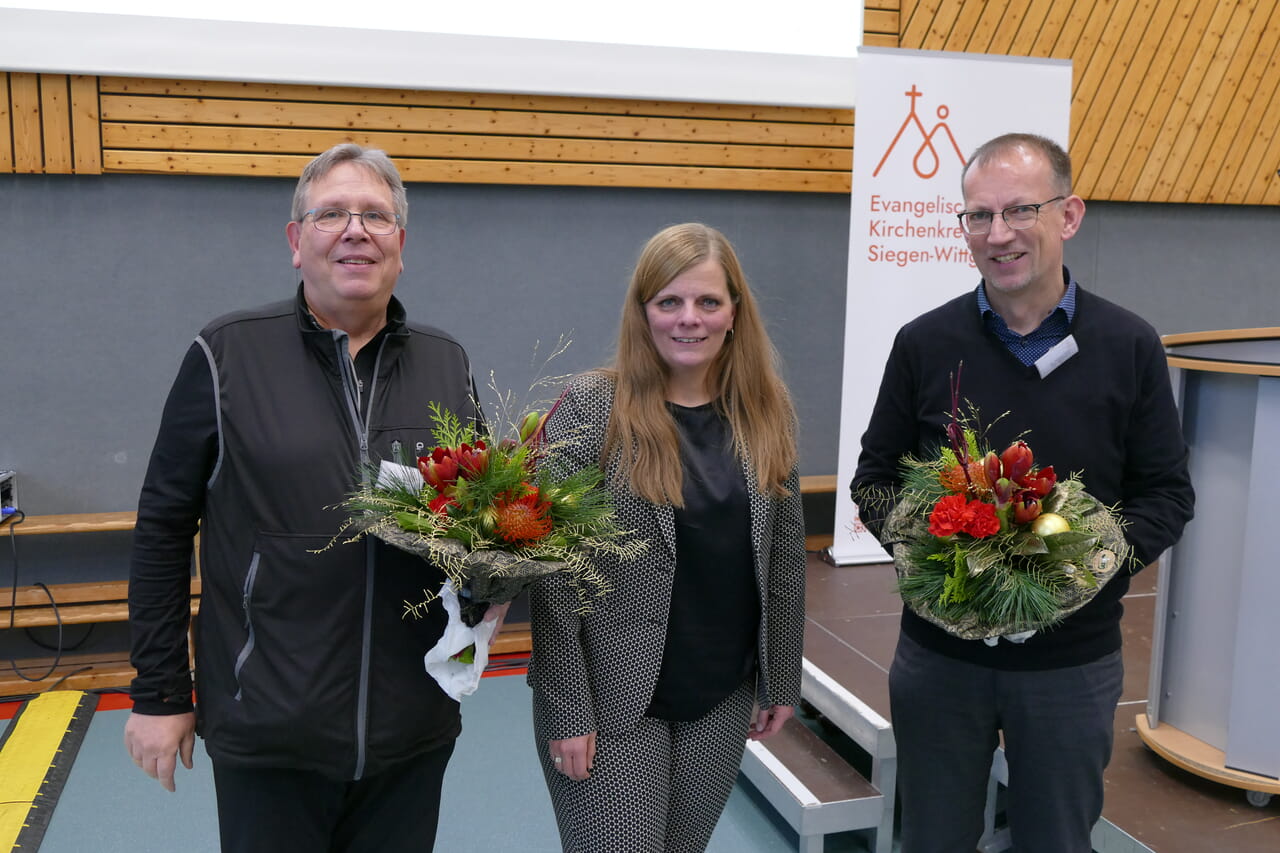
1086	381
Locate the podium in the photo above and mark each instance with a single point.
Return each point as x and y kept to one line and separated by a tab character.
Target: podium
1214	690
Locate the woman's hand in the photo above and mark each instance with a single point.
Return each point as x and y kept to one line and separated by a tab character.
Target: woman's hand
574	756
769	721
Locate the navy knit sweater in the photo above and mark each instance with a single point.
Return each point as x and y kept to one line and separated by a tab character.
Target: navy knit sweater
1107	413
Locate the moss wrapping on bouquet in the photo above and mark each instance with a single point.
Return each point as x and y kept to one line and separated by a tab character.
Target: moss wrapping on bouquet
1014	581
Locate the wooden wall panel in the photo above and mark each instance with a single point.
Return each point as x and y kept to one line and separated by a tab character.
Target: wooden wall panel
49	123
55	123
1172	100
233	128
6	126
86	134
24	108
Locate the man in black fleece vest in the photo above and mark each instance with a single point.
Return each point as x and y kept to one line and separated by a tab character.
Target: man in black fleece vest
1087	383
324	731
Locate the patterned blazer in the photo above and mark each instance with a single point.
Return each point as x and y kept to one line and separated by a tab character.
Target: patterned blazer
597	671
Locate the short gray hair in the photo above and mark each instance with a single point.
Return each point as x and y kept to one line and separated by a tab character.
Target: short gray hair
374	160
1059	160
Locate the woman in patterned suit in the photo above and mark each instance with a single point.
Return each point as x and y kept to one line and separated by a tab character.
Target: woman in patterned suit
643	705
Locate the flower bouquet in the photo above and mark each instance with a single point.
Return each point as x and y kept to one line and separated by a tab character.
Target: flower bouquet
492	513
495	514
989	545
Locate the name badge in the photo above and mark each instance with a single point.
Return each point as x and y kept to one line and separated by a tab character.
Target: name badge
1054	358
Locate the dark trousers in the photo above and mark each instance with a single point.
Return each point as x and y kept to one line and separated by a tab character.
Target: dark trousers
266	810
1058	727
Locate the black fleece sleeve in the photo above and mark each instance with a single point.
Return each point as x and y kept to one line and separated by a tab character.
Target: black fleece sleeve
169	510
892	433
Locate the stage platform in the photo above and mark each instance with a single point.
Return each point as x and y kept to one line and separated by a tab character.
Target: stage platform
1151	805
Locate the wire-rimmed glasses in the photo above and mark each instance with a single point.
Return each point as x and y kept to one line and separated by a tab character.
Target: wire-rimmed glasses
1019	217
380	222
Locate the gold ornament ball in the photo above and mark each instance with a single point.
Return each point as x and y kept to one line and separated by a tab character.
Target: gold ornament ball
1049	523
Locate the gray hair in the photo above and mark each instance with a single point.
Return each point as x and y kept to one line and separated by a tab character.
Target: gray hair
374	160
1059	160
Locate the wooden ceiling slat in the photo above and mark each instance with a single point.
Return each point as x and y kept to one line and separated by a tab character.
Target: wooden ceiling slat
24	100
1205	26
1230	107
468	100
86	139
1188	148
6	131
1113	82
569	174
429	119
255	140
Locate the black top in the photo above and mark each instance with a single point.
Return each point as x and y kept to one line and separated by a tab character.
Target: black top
715	607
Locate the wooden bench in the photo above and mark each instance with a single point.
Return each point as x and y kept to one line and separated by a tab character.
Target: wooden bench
812	787
105	602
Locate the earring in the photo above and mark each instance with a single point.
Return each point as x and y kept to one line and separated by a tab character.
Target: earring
728	336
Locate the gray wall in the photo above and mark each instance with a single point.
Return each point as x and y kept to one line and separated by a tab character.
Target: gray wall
107	279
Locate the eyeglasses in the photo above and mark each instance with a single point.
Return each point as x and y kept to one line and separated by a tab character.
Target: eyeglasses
379	222
1019	217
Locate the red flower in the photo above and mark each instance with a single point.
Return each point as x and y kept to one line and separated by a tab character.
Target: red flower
953	514
1040	482
439	470
1016	461
982	520
1026	506
441	503
472	460
523	520
948	516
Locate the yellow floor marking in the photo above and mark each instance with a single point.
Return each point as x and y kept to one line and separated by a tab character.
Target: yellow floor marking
28	755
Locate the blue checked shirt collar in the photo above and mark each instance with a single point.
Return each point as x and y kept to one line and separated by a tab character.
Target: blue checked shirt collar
1029	348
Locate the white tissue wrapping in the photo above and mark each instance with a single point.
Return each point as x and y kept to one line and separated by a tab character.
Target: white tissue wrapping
456	678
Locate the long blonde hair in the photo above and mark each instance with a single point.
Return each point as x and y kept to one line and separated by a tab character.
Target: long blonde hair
743	379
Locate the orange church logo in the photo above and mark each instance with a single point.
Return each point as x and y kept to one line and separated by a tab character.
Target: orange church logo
927	159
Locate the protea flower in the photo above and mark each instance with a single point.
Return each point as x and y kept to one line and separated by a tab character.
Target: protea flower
954	480
523	520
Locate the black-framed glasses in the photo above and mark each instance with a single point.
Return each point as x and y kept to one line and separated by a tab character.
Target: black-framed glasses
381	222
1019	217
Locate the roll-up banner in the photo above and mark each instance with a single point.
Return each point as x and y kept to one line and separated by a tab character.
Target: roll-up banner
919	116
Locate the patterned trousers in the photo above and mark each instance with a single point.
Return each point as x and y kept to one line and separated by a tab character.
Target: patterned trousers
657	789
